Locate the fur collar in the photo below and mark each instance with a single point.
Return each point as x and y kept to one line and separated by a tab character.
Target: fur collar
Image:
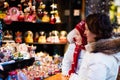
106	46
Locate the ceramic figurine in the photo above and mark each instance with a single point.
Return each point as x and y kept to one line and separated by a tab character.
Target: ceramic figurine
7	19
18	38
42	37
57	17
63	36
21	16
55	36
7	35
30	13
45	18
14	13
29	37
49	38
52	19
36	37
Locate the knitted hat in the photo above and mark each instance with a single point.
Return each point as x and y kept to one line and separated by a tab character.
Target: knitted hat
81	28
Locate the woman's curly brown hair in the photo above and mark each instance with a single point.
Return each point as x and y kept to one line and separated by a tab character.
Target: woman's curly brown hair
100	25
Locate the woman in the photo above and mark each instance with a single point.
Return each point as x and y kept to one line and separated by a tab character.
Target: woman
102	56
73	55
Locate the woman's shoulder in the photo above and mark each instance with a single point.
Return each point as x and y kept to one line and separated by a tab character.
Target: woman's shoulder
101	58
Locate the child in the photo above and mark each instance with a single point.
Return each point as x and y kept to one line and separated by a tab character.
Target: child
73	55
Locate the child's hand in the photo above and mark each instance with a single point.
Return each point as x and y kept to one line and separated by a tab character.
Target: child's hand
77	41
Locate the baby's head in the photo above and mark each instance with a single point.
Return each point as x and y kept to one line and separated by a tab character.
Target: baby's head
77	34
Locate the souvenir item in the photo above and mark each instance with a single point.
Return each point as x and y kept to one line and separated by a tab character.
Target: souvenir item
21	16
7	35
57	17
30	13
55	36
29	37
14	13
40	10
42	37
49	38
36	37
7	19
63	37
45	18
18	38
52	19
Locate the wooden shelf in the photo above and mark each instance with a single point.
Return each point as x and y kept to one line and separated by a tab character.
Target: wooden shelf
24	26
47	43
36	43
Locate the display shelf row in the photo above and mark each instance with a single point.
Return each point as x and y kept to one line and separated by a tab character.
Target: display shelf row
40	31
47	43
50	47
36	43
16	25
